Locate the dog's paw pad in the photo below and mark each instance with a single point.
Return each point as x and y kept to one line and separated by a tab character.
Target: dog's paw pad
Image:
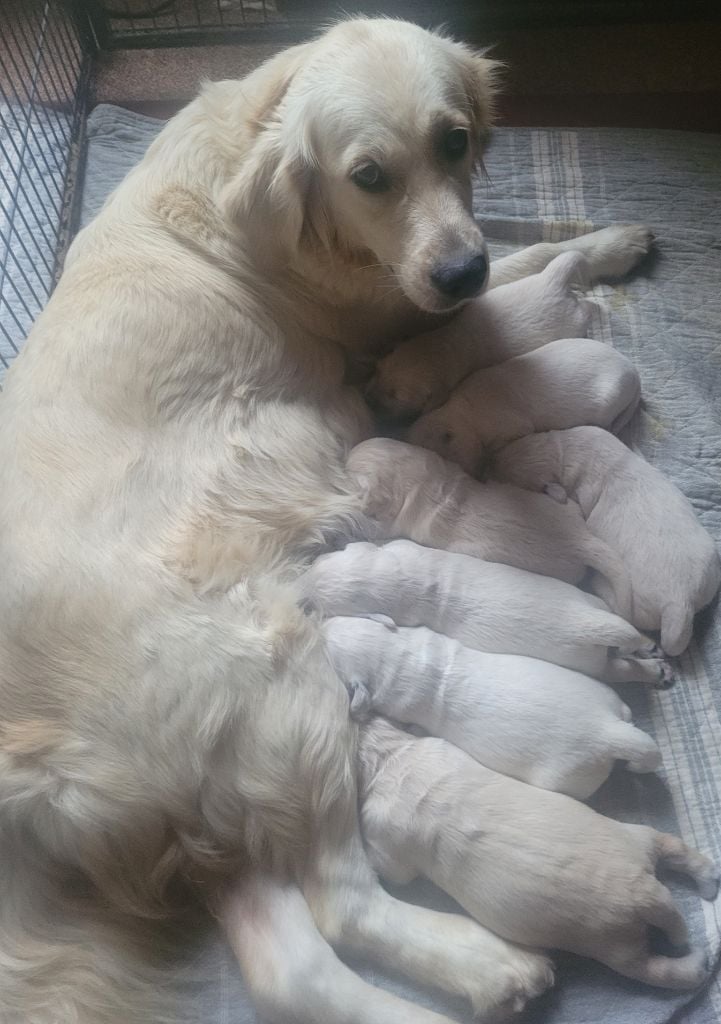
666	676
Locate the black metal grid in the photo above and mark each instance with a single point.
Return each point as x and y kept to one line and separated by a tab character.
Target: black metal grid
45	67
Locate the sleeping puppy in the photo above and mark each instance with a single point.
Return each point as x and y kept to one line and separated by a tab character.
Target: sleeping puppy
483	605
674	564
413	493
508	321
501	709
564	384
536	867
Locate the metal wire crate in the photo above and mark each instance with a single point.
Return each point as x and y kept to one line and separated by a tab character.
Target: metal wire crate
45	59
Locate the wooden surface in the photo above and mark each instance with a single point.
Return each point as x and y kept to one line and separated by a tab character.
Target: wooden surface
638	75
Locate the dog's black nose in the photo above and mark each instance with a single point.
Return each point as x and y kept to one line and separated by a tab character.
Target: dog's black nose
461	280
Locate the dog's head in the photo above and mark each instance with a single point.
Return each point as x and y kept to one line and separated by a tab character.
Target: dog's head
365	151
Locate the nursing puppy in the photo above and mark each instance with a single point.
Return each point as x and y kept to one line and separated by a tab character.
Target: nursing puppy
507	321
485	606
534	866
673	562
413	493
522	717
564	384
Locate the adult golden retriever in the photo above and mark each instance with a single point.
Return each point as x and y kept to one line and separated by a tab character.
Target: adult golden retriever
172	446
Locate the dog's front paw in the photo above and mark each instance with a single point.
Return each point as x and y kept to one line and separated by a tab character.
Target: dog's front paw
614	251
522	978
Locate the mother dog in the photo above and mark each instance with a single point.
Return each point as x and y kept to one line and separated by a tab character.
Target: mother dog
172	444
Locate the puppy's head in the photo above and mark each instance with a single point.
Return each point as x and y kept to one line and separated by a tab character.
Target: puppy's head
452	439
368	152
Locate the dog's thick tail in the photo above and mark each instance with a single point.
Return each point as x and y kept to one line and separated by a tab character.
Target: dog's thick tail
65	961
676	626
604	560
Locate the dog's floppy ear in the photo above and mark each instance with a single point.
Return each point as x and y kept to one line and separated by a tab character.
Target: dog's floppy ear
268	193
481	78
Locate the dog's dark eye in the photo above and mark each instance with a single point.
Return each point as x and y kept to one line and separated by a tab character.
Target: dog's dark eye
455	143
370	178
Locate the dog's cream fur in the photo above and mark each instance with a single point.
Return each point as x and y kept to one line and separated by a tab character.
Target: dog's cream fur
413	493
172	447
537	722
486	606
507	321
564	384
627	503
534	866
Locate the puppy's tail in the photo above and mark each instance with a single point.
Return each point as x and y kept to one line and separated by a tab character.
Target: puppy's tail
634	746
63	960
676	626
604	560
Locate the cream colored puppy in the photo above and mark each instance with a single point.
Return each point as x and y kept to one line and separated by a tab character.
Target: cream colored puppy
535	867
564	384
413	493
483	605
673	562
507	321
523	717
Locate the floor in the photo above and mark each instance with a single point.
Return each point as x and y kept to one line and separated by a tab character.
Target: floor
638	75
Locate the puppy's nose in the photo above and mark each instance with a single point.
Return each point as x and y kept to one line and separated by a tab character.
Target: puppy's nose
461	280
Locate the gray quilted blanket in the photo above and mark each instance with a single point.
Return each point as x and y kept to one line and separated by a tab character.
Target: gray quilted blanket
552	184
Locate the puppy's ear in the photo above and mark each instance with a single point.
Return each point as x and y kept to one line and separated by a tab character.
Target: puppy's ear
267	196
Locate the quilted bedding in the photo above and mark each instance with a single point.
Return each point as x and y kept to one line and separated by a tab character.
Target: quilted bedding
548	185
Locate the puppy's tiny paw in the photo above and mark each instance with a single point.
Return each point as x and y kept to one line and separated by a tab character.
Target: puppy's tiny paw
526	977
666	675
361	702
649	650
707	881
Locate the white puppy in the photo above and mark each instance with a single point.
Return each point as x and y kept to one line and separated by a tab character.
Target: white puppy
507	321
413	493
485	606
564	384
536	867
674	564
523	717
